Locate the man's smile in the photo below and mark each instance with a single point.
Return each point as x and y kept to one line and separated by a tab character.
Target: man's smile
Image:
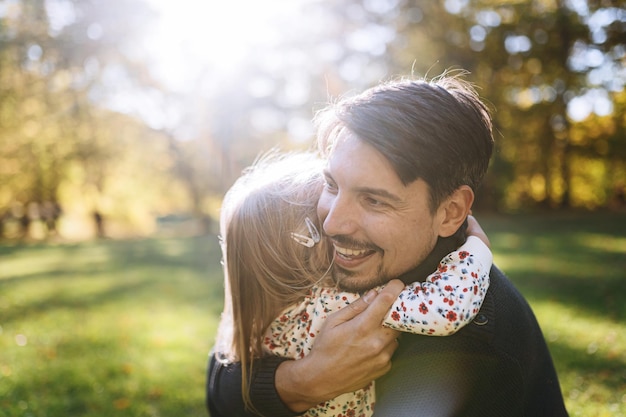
348	253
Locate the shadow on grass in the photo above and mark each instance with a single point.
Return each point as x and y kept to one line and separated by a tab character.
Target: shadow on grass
577	260
65	300
200	252
609	373
589	297
97	273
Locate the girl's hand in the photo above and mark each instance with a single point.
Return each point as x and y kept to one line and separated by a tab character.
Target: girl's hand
474	229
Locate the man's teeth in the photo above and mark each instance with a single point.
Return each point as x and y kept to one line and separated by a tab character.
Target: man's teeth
350	252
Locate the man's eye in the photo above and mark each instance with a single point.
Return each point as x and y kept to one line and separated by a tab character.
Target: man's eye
330	186
374	202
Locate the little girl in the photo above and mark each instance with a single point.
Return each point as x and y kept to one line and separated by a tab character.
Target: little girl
278	290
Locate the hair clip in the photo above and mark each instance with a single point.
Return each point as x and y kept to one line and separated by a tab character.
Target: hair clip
308	241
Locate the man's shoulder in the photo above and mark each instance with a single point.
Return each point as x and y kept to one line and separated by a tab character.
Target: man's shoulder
496	365
504	300
504	318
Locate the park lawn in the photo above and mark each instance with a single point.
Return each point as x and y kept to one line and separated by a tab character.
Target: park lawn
572	269
113	328
123	328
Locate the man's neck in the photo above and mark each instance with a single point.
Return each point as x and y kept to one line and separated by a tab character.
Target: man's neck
444	246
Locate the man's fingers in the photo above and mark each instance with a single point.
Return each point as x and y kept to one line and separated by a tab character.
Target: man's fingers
365	300
354	309
379	307
393	288
371	307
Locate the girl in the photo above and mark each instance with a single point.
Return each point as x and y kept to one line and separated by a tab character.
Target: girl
278	286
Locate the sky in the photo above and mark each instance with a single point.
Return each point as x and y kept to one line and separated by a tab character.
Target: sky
193	37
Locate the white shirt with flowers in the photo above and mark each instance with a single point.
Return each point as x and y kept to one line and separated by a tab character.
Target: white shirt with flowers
446	301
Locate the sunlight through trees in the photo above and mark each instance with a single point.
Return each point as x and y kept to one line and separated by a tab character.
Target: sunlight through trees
116	113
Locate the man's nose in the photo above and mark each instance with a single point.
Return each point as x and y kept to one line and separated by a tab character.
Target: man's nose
341	216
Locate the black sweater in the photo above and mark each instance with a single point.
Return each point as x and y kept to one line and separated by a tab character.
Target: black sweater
498	365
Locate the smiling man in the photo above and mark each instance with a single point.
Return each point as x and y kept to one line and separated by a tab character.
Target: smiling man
404	160
380	228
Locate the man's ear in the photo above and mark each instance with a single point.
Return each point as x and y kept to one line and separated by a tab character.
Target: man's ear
454	210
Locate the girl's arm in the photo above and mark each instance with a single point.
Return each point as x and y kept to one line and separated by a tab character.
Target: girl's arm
451	296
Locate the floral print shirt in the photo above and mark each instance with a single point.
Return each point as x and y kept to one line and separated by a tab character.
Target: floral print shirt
446	301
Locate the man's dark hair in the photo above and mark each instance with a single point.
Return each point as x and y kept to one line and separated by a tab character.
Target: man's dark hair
438	130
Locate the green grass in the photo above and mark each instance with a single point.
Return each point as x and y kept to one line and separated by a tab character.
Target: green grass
123	328
572	269
108	328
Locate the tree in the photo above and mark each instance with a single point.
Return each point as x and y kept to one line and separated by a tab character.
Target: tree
60	146
530	59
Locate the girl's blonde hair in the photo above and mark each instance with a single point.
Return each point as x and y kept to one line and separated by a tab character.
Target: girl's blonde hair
265	268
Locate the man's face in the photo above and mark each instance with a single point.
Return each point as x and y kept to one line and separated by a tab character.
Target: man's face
379	227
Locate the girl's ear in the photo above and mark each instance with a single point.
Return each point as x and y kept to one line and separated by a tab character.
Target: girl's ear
454	210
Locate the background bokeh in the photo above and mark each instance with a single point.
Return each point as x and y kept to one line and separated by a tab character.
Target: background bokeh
123	122
121	116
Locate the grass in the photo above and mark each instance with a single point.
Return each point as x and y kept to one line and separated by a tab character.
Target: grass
572	269
123	328
108	328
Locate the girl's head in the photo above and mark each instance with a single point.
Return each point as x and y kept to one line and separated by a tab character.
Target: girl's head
268	217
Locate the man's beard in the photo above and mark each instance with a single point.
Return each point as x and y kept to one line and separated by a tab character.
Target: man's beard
418	273
347	281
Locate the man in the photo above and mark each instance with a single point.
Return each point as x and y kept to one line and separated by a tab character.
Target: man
404	160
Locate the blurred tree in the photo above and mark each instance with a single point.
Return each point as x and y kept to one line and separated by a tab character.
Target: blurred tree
85	128
531	60
535	61
61	63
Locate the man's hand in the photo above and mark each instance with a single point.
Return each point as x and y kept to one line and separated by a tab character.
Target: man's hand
352	349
